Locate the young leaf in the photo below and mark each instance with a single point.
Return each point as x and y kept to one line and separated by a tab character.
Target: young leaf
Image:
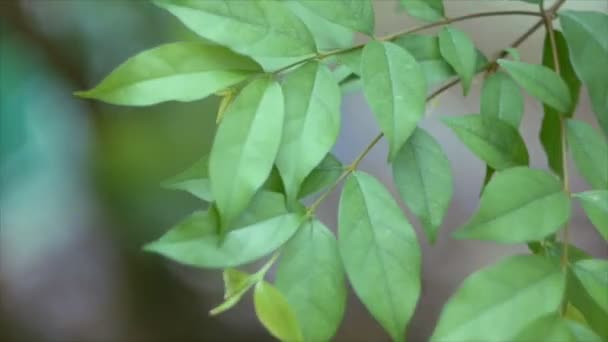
595	204
493	140
312	278
518	205
540	82
552	327
395	87
325	174
245	147
590	152
429	10
585	33
459	51
550	131
312	123
184	71
494	304
380	252
275	314
252	28
502	99
423	177
195	241
354	14
236	284
194	180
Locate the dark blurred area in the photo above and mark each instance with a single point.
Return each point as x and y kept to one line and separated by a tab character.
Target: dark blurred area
80	182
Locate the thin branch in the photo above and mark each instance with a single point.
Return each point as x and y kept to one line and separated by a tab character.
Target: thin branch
520	40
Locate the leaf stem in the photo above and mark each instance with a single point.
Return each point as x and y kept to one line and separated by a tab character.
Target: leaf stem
547	19
392	36
520	40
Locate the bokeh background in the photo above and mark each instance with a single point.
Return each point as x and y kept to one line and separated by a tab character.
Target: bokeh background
80	180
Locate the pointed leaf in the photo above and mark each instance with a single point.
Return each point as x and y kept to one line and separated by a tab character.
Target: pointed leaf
312	123
595	204
195	241
323	175
311	277
494	304
194	180
245	147
588	42
394	85
502	99
423	177
590	153
429	10
380	252
493	140
357	15
552	327
252	28
184	71
518	205
459	51
275	314
540	82
550	131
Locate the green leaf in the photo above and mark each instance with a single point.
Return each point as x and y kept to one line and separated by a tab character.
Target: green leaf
236	284
540	82
275	314
518	205
185	71
354	14
195	241
555	249
587	282
264	205
514	53
502	99
459	51
493	140
428	10
425	50
552	327
590	153
595	204
550	131
253	28
423	176
588	42
312	123
380	252
194	180
327	34
312	278
245	146
394	85
494	304
325	174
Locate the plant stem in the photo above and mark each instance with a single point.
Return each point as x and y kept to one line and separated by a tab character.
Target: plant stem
547	19
520	40
446	21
